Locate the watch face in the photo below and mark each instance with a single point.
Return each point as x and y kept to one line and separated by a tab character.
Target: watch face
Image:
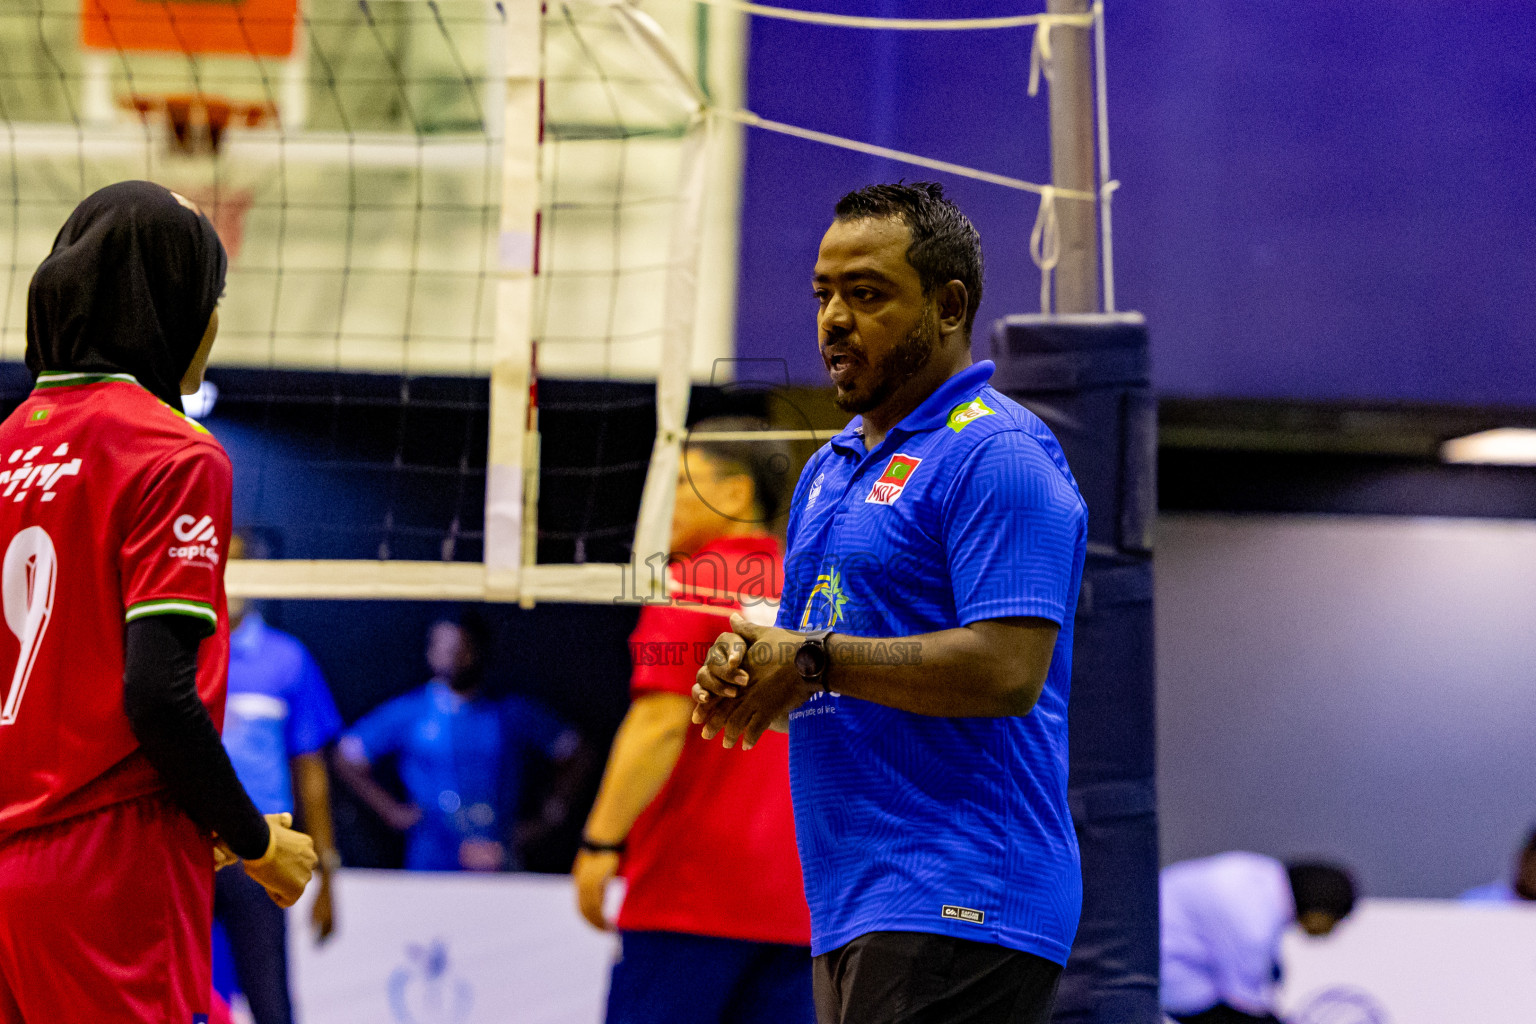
811	660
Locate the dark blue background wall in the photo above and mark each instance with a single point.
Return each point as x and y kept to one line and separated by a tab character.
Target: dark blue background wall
1319	201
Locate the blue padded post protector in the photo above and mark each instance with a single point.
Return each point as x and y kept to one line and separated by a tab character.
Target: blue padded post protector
1087	377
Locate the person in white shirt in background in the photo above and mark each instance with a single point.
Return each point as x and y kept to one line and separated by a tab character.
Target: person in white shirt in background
1222	921
1522	889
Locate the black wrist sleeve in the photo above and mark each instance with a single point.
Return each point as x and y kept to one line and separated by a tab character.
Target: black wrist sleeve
176	734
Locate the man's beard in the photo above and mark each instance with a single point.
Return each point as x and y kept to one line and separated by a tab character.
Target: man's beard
900	365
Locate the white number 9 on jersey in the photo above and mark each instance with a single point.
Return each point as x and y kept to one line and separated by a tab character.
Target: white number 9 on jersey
26	583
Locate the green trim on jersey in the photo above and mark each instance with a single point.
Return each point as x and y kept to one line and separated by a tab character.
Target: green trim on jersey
189	421
62	379
174	606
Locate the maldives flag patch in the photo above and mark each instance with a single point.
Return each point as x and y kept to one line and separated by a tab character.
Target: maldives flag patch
37	417
897	472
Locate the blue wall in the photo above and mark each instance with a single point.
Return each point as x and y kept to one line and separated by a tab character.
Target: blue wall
1319	201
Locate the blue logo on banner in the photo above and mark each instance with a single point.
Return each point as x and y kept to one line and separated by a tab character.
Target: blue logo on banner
423	991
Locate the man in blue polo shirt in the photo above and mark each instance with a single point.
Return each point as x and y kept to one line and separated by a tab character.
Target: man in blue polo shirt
935	551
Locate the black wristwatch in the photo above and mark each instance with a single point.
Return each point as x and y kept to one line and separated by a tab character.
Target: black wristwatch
813	660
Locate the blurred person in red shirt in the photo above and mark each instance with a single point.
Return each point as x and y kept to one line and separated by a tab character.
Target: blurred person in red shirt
673	809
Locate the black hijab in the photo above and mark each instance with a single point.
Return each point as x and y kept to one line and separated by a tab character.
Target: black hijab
134	275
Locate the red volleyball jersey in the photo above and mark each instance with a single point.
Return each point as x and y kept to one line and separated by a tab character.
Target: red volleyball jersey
714	854
113	506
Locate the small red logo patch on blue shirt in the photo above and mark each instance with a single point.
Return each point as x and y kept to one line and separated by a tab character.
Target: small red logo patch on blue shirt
889	487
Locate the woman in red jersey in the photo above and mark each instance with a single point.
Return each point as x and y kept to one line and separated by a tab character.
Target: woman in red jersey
116	795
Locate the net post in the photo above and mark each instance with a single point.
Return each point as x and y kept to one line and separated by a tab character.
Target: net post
1107	185
1072	162
674	381
722	45
517	257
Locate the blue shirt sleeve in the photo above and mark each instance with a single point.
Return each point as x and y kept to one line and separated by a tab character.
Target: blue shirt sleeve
384	730
313	720
1014	527
528	725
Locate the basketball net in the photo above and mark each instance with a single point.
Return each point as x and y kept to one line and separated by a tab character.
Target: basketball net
195	129
197	125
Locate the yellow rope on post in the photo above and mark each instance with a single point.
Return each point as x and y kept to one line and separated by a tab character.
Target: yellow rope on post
1045	243
1040	57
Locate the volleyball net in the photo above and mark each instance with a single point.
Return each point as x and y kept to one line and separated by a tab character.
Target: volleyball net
480	253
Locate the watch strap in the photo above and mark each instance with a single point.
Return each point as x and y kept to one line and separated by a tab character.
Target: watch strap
591	847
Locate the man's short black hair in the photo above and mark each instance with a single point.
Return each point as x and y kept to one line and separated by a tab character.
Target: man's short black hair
1325	887
766	462
945	246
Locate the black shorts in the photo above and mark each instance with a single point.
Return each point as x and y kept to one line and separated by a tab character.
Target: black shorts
917	978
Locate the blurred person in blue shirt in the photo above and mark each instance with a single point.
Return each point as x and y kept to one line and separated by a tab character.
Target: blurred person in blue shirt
1521	889
277	723
460	756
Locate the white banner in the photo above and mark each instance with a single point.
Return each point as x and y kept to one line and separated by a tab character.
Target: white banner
1416	962
428	948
